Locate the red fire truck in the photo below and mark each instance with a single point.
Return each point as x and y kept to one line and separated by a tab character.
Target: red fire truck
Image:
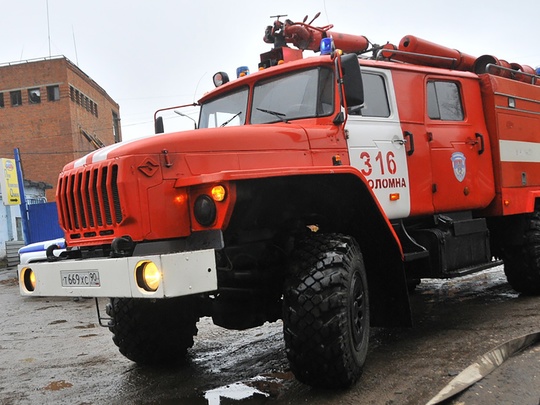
316	190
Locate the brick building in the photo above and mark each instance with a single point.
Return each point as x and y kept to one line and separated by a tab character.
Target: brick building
54	113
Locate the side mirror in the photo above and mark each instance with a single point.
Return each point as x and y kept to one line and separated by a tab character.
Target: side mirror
352	80
158	125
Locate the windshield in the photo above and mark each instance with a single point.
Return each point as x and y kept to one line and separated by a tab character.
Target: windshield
229	110
309	93
303	94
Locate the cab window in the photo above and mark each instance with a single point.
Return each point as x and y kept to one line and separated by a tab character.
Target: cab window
444	101
228	110
375	97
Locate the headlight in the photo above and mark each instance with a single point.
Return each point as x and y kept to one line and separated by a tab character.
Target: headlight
28	278
204	210
148	275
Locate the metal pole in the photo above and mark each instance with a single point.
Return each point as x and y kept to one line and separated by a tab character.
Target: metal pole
24	206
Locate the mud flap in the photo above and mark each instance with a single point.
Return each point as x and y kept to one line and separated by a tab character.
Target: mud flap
483	366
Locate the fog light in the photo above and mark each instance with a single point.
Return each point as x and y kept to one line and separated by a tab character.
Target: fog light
219	193
148	275
29	279
204	210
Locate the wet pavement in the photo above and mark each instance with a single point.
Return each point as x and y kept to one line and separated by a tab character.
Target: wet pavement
52	350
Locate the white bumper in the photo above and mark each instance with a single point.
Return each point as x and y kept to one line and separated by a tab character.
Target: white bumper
183	273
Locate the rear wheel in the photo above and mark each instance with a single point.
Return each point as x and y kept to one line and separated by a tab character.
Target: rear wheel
326	311
152	332
522	262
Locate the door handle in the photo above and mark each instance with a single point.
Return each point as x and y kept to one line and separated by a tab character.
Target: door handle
410	140
481	137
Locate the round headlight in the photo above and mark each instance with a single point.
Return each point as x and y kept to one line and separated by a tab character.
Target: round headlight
204	210
148	275
29	279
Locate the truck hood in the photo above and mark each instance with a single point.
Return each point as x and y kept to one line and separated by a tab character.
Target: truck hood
229	140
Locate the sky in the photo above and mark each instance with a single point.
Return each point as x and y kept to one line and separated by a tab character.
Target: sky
149	55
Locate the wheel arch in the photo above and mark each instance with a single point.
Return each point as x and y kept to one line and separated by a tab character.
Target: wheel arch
335	202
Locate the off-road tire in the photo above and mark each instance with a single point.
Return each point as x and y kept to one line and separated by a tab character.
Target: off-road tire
522	263
326	311
152	332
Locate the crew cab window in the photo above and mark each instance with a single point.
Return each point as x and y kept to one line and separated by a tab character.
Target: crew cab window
375	97
228	110
309	93
444	101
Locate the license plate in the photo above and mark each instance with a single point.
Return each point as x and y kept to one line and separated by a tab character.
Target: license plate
80	278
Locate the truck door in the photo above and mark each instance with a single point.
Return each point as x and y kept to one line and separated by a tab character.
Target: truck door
376	144
457	137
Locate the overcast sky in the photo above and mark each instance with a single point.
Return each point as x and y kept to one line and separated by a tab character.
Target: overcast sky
153	54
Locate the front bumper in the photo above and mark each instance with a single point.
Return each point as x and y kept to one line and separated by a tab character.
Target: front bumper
182	274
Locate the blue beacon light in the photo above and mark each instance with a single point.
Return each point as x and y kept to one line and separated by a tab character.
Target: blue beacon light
327	46
242	71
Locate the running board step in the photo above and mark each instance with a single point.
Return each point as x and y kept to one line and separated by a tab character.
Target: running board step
473	269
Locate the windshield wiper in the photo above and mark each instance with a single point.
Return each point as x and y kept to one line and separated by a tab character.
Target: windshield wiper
279	115
230	119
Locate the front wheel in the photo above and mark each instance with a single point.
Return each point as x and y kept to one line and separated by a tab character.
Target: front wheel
152	332
326	311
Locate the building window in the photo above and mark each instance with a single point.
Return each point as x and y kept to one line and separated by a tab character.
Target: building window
83	100
53	93
116	128
16	98
18	226
34	96
1	100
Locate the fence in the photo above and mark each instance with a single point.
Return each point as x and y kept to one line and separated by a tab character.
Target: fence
43	219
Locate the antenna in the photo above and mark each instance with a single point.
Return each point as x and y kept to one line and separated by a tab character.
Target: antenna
48	28
75	46
196	87
325	12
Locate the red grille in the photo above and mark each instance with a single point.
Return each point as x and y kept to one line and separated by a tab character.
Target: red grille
89	201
